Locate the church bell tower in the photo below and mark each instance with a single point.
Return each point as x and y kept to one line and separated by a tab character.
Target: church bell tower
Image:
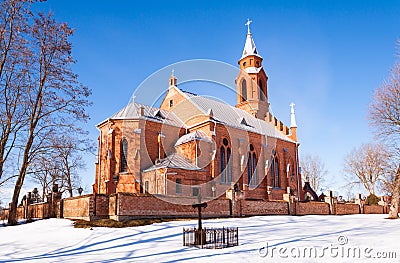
251	83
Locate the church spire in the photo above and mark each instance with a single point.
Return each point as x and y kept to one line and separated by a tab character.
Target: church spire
251	83
172	79
249	46
292	116
293	125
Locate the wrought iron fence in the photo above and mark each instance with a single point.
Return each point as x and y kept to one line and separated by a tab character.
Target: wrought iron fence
211	237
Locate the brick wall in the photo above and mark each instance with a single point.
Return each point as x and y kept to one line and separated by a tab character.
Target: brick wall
312	208
34	211
374	209
39	211
134	206
101	206
77	207
347	209
255	207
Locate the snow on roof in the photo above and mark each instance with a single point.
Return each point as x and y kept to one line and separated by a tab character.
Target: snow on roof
132	111
254	70
249	47
235	117
196	135
174	161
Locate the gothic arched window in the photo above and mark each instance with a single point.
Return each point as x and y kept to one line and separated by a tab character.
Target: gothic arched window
225	162
274	171
252	166
222	162
229	164
244	90
261	90
124	156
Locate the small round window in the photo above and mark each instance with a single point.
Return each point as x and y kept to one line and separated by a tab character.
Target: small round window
225	142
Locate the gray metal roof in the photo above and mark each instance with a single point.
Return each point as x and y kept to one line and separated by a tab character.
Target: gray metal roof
222	112
131	111
196	135
235	117
174	161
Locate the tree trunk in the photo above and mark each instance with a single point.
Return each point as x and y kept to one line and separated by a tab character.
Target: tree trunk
394	207
12	216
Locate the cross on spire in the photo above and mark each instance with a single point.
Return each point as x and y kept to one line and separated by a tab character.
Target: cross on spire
248	25
292	116
292	107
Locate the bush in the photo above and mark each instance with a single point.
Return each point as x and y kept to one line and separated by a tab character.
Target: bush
372	200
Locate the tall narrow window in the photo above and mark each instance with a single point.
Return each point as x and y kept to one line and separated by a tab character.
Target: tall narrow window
274	170
261	90
222	161
254	166
225	164
146	186
277	177
249	170
244	90
178	184
229	164
124	156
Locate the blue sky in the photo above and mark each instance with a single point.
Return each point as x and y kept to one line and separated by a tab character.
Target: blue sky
325	56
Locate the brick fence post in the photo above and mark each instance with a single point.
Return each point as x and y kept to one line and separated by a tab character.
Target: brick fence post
360	203
330	201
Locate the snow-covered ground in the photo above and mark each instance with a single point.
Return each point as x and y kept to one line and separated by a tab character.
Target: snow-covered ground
261	239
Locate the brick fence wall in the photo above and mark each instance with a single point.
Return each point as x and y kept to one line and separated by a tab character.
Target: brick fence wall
147	206
258	207
311	208
123	206
347	209
375	209
78	207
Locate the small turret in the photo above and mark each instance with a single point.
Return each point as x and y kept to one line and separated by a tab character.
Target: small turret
293	125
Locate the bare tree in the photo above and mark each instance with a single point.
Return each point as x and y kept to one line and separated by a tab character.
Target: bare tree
14	17
54	100
366	166
60	164
313	170
385	118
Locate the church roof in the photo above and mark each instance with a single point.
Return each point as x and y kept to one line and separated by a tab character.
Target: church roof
132	111
196	135
235	117
174	161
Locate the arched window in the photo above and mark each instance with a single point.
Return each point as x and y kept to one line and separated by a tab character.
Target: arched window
261	90
229	163
249	170
252	166
274	170
244	90
225	162
222	161
254	178
124	156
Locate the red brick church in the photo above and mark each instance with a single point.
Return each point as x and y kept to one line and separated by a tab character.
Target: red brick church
193	145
